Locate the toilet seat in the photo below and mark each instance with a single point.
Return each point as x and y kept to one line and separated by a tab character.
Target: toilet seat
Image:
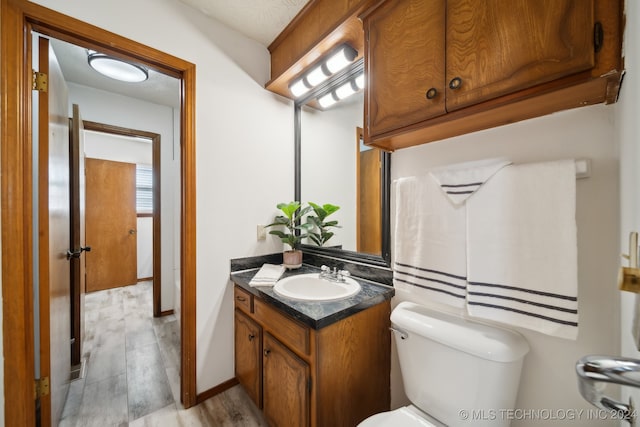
407	416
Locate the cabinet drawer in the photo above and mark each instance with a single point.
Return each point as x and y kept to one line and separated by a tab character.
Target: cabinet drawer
243	299
282	327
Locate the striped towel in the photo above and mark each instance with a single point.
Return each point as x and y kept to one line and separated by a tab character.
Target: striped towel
268	275
522	249
460	181
430	248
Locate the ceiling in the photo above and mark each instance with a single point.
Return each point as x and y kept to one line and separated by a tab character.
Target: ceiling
260	20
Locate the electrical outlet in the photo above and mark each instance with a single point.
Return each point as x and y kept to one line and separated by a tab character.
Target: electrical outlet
261	232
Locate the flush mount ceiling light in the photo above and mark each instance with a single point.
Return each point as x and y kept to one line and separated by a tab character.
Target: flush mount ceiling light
116	68
336	61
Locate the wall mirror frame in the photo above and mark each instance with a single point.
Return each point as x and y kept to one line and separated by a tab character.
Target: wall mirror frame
383	259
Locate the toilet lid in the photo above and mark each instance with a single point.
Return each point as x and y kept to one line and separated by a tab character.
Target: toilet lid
404	417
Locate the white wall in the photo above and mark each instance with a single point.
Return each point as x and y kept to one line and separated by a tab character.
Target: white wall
145	251
628	134
117	110
549	380
244	150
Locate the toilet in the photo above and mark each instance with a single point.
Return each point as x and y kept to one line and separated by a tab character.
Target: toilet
456	372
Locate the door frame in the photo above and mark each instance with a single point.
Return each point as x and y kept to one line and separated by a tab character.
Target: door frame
156	173
17	19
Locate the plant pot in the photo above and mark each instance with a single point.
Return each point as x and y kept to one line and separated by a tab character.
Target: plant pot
292	259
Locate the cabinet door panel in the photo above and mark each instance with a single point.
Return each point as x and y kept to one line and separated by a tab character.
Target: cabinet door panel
405	58
500	46
248	357
285	382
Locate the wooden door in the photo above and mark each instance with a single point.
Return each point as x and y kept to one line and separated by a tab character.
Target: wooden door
285	386
78	244
404	43
368	198
54	236
495	47
248	357
110	224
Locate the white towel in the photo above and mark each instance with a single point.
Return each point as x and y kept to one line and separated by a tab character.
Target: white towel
268	275
522	249
430	250
461	180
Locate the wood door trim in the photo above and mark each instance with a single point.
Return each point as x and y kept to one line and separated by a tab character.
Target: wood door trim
157	201
16	190
44	269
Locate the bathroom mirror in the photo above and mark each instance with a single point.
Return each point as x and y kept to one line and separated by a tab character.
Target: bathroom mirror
334	166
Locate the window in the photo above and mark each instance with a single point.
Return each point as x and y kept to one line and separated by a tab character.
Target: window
144	189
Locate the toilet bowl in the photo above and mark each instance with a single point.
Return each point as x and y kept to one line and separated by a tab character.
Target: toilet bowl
454	370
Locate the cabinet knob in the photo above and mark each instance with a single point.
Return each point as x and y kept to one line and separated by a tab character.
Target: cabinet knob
455	83
266	352
251	337
241	298
432	93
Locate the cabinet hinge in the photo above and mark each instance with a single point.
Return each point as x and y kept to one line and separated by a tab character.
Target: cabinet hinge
42	387
40	81
598	37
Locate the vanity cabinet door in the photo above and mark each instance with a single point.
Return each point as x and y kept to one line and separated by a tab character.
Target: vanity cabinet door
496	47
248	356
405	64
286	386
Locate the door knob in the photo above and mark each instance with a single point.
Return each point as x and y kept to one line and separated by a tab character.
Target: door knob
132	231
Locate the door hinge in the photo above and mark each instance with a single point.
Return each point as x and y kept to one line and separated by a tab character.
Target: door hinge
42	387
598	37
40	82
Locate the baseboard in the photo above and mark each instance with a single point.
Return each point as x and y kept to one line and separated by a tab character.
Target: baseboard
216	390
166	313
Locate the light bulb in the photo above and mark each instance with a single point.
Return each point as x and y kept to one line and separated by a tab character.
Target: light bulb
327	101
316	76
343	57
299	88
345	91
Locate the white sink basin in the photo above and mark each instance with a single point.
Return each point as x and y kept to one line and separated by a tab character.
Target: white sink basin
310	287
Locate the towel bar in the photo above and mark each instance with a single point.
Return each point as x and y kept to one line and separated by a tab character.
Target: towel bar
594	370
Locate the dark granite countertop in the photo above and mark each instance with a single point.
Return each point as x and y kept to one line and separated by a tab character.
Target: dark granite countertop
313	313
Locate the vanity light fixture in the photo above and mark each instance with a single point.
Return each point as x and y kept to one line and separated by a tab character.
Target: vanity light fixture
335	62
116	68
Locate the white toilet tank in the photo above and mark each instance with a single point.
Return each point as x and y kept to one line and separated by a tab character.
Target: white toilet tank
461	372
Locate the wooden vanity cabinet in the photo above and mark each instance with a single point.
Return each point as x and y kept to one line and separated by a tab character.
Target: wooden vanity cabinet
446	64
331	377
248	359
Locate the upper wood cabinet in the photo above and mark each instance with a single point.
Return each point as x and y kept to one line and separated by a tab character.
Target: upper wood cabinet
440	68
405	59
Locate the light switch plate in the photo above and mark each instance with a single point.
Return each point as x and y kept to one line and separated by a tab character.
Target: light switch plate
261	232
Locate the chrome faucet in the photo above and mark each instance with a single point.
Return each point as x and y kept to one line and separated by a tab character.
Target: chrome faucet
595	370
333	276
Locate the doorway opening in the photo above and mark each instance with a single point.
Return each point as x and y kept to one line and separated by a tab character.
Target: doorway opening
19	19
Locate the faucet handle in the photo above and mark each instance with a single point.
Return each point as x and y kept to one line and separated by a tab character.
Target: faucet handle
341	275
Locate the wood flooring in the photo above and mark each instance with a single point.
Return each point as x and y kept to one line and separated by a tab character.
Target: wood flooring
131	374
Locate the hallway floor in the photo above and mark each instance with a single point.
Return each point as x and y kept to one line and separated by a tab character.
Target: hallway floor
131	375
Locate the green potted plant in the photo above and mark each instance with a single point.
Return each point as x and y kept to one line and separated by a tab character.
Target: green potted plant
293	232
320	233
